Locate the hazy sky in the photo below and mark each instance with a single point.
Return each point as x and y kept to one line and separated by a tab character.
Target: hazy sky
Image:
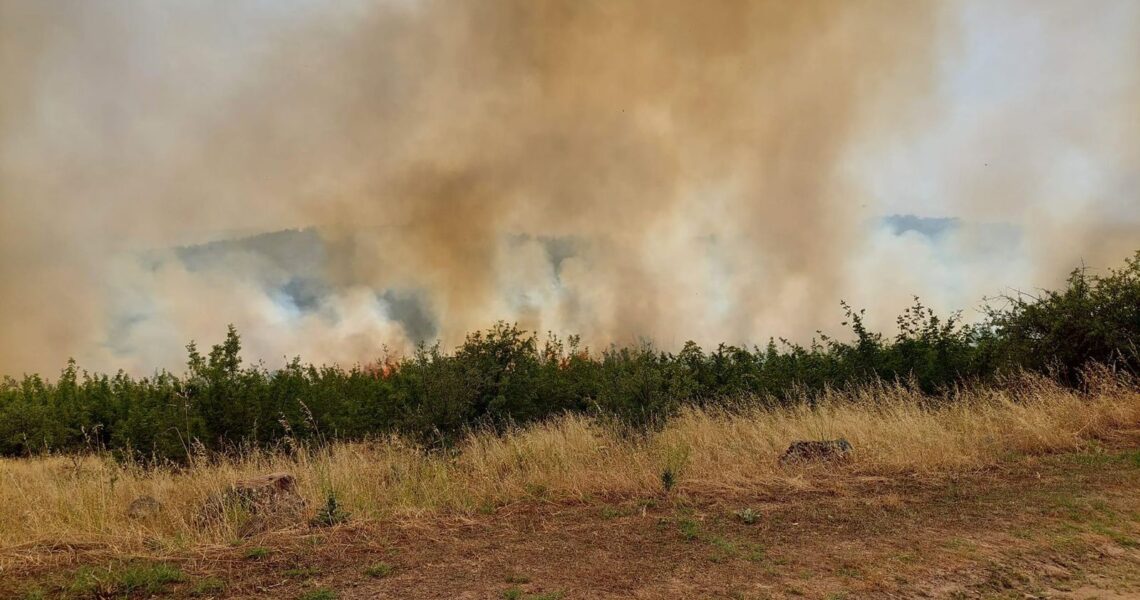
723	171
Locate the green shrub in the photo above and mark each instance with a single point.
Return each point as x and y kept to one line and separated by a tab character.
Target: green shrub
668	479
332	513
505	376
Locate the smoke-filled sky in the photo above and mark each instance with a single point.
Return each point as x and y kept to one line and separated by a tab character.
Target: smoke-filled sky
334	178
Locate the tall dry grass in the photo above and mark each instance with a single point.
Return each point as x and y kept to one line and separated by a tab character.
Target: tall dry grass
83	499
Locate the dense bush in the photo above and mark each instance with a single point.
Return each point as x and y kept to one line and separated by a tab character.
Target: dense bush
506	375
1092	319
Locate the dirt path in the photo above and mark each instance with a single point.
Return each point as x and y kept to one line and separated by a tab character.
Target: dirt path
1065	526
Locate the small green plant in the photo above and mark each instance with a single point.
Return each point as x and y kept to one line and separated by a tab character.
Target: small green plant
757	553
668	479
332	513
149	579
87	582
208	586
613	512
257	553
513	593
302	572
378	570
676	457
318	594
690	530
146	578
748	516
722	549
962	546
34	594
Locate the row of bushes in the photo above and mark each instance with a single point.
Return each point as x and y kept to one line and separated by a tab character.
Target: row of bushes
507	375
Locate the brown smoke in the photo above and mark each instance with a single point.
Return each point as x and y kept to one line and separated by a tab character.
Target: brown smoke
642	127
691	156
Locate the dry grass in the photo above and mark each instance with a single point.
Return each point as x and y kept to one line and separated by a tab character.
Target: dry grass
84	499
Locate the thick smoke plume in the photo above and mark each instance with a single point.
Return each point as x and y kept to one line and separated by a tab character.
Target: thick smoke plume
637	169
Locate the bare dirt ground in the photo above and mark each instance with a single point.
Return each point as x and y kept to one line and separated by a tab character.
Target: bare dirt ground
1059	526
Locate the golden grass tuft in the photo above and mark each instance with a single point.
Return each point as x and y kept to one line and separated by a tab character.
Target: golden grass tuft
84	499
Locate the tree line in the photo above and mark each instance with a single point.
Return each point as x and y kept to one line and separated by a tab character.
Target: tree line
506	375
